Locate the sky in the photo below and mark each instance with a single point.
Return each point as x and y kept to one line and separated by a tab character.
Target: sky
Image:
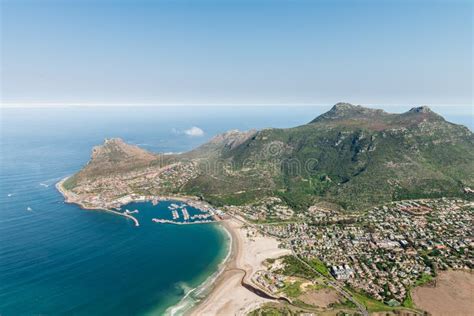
236	52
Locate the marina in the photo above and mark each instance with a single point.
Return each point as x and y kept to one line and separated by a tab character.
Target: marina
169	212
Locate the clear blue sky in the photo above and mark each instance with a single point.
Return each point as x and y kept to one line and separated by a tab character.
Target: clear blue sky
236	52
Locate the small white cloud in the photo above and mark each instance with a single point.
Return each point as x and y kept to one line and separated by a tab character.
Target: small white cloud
194	131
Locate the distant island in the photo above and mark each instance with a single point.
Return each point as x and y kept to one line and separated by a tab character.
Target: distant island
349	212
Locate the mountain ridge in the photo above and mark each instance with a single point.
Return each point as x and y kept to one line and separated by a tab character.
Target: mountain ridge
351	155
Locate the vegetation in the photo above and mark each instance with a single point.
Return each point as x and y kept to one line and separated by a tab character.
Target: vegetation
371	304
272	310
292	289
425	278
351	156
70	183
293	267
319	266
408	302
344	304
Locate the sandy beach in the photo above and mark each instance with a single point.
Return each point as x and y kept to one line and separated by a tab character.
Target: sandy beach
246	257
228	296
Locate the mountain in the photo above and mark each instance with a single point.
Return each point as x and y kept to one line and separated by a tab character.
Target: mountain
351	155
113	157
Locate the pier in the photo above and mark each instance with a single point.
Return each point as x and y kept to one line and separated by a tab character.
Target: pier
185	213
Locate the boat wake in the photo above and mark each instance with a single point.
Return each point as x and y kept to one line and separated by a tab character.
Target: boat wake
48	182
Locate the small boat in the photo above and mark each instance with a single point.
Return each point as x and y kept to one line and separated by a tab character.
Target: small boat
29	208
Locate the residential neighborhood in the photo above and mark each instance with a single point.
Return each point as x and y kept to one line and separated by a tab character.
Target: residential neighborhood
383	252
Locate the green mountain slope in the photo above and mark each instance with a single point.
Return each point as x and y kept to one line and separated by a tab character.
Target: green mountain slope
351	155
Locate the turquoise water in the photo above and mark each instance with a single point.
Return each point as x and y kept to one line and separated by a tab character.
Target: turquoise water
56	258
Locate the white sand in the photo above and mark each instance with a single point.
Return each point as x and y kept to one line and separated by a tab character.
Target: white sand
229	297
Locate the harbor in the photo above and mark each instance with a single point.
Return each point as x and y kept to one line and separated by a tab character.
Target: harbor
182	209
184	213
167	211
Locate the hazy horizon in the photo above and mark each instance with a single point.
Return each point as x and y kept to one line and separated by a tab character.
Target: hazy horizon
294	114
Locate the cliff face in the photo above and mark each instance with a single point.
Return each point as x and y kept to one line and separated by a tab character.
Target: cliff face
351	155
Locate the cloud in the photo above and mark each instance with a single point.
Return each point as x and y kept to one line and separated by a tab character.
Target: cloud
194	131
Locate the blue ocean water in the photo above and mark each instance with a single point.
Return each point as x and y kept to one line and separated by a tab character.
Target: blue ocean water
56	258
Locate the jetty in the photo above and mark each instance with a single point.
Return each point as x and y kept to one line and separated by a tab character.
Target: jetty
127	215
131	212
168	221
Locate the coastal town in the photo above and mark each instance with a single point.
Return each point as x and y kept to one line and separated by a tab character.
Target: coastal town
115	190
383	252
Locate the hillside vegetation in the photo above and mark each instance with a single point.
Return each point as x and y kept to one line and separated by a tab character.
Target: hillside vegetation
351	155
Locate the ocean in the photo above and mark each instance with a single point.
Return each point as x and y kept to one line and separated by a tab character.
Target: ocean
56	258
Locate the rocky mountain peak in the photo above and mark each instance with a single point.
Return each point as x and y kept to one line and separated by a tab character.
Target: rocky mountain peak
232	138
421	109
343	110
115	149
340	106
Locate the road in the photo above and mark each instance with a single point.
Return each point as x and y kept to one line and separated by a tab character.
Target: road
328	281
334	285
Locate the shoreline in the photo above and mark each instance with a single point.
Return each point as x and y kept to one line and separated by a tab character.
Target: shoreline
234	273
69	199
204	289
245	258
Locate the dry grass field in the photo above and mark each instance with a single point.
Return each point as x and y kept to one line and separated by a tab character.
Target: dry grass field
452	295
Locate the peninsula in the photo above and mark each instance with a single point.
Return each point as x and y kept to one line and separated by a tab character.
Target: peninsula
349	212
